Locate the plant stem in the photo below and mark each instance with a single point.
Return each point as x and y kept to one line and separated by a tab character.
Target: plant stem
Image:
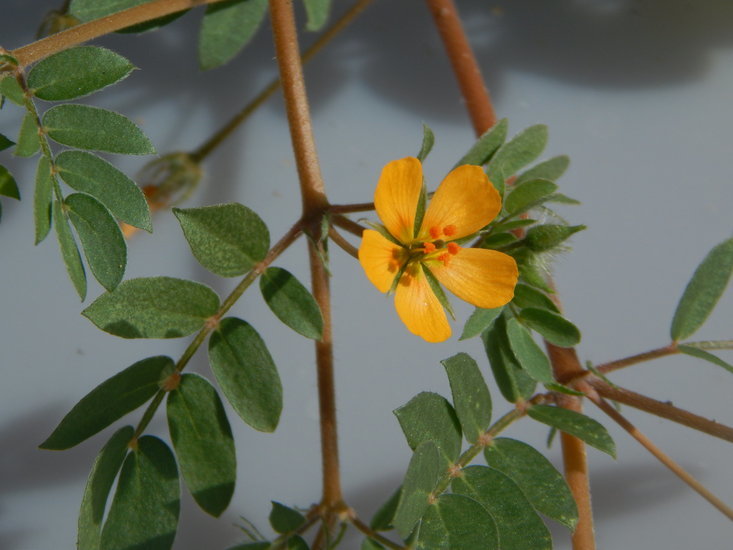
215	140
345	245
372	534
658	453
611	366
465	66
315	205
564	361
99	27
349	208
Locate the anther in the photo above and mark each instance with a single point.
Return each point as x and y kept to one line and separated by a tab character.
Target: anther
453	248
449	230
445	258
435	232
428	247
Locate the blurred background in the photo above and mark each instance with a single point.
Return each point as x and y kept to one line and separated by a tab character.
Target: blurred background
637	92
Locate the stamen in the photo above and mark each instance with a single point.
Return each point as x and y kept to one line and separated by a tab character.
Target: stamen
453	248
428	247
406	279
445	258
435	232
449	230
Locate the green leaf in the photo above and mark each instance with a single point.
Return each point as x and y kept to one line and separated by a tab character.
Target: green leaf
10	88
529	355
227	239
703	291
528	296
291	302
383	518
110	401
705	356
154	307
69	250
5	142
550	169
101	238
369	544
28	141
103	474
479	321
228	27
203	442
8	186
513	382
541	238
430	417
553	327
517	153
317	12
528	195
541	483
42	199
77	72
90	174
145	508
284	519
437	289
88	10
486	146
518	525
93	128
576	424
471	396
421	477
428	140
456	522
498	240
246	373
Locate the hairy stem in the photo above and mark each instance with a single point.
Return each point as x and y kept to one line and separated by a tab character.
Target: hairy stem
329	34
611	366
372	534
99	27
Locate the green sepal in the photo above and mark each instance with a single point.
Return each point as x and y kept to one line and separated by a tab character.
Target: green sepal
428	140
438	290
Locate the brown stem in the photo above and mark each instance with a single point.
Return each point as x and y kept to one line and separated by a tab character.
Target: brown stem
347	224
465	66
374	535
611	366
99	27
345	245
340	24
660	408
296	105
658	453
349	208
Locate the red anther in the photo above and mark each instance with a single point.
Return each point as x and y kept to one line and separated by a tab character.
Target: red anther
435	232
449	230
453	248
428	247
445	258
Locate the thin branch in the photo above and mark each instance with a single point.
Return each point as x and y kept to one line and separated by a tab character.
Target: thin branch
99	27
345	245
347	224
372	534
659	454
611	366
660	408
350	208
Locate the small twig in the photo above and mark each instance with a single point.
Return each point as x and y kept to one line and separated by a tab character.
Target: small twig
611	366
345	245
372	534
349	225
658	453
350	208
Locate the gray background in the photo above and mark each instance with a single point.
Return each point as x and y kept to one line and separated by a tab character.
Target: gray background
636	92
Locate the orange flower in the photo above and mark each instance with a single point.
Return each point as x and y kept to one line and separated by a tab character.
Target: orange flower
464	203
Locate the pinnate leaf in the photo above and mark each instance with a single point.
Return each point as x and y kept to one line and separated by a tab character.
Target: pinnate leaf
552	326
291	302
529	355
90	174
228	27
202	439
471	396
517	153
422	475
457	522
481	151
153	307
110	401
101	238
104	471
77	72
576	424
97	129
246	373
513	382
479	321
69	250
703	291
430	417
145	508
227	239
541	483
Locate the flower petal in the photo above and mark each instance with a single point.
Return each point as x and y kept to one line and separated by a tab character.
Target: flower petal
397	195
464	202
379	258
484	278
419	308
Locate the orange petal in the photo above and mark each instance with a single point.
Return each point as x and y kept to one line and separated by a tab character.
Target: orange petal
419	308
484	278
464	202
379	258
397	195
